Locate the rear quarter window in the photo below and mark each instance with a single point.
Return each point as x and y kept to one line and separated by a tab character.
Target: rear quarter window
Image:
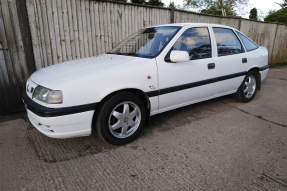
249	45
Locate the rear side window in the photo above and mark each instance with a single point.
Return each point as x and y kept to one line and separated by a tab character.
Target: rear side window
227	42
249	45
196	41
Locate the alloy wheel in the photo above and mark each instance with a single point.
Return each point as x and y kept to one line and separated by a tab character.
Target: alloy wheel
124	119
249	86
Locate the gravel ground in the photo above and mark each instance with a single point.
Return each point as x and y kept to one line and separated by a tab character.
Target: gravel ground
219	144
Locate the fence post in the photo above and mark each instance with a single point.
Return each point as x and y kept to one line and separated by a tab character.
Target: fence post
172	15
26	35
274	43
239	24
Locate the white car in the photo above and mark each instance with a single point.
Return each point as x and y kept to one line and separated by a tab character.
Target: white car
156	69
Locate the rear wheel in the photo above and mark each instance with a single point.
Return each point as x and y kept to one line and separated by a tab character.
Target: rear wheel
247	90
121	118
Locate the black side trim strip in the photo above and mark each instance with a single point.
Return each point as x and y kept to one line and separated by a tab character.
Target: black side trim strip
152	93
264	68
231	76
50	112
186	86
194	84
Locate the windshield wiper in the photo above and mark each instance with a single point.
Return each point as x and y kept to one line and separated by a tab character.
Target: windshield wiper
118	53
124	54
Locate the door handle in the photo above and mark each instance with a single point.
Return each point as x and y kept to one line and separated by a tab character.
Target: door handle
244	60
210	66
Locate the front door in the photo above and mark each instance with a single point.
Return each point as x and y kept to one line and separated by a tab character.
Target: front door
185	82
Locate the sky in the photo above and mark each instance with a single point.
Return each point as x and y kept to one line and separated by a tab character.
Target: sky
263	6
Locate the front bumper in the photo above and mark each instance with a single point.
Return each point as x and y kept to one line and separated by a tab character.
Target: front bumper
60	122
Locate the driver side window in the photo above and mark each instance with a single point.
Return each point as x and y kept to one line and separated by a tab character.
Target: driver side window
196	41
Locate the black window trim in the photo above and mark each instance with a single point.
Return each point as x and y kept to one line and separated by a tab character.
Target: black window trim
237	31
244	50
166	59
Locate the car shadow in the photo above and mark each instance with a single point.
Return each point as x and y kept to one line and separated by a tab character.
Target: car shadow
58	150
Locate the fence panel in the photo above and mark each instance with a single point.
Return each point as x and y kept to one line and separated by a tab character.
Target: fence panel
190	17
261	33
63	30
14	69
280	47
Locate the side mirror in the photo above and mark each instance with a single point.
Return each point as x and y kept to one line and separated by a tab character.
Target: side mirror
179	56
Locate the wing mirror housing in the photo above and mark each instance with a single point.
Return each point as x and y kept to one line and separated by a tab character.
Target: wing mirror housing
179	56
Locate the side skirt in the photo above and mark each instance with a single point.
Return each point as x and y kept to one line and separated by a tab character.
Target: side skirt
191	102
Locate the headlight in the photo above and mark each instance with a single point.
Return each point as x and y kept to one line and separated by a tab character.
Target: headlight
54	96
48	96
40	93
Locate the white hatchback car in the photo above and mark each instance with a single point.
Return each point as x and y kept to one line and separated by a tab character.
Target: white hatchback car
156	69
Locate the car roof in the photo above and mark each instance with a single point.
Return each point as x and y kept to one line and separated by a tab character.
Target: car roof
194	25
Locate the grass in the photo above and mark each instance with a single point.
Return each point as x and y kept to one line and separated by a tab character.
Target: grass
272	65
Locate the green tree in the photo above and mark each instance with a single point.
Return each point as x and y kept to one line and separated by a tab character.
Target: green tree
277	16
217	10
172	4
139	1
216	6
253	14
121	0
283	5
155	3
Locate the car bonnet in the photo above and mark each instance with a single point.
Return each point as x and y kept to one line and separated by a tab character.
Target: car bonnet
59	73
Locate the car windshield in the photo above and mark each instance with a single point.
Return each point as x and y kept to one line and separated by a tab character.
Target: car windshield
146	43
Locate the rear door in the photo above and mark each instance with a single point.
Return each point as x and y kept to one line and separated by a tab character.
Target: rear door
231	62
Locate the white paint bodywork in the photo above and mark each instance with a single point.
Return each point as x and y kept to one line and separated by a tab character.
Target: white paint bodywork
90	80
67	126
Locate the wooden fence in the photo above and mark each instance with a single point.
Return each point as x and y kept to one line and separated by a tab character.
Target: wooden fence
69	29
38	33
66	30
14	65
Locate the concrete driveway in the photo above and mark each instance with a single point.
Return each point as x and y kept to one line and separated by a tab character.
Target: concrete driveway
219	144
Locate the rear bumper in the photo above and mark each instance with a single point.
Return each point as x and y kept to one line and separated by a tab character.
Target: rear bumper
264	70
61	122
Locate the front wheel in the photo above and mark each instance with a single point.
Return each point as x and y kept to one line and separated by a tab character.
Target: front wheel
247	90
121	118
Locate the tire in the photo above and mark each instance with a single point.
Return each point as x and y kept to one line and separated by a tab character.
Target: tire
247	90
121	118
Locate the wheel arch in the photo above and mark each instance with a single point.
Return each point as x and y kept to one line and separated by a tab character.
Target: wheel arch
257	69
142	95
